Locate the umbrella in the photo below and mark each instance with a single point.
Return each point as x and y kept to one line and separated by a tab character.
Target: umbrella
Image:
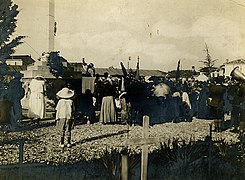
201	77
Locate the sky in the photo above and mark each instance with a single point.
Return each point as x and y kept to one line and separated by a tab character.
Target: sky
160	32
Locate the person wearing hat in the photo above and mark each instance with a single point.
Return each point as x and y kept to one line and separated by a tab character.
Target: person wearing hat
37	98
15	94
64	111
57	85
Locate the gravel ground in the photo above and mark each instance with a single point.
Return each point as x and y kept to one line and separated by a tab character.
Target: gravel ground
90	141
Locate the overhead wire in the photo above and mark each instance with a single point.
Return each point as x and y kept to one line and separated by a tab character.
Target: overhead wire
30	45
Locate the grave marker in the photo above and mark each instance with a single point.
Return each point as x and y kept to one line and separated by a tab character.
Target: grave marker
144	141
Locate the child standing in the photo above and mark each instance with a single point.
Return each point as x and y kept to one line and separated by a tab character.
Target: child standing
63	115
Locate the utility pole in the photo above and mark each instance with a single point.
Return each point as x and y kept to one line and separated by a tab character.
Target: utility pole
137	76
129	59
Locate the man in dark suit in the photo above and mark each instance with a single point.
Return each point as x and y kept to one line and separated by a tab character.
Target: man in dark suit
216	103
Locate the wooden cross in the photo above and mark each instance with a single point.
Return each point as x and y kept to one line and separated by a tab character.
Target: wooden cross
145	141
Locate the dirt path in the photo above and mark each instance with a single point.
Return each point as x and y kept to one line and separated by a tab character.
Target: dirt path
90	141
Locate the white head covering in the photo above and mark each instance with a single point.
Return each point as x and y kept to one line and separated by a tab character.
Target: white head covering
39	76
65	93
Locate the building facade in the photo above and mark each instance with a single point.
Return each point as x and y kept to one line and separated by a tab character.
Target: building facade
229	66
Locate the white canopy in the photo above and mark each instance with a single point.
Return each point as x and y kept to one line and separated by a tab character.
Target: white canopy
201	77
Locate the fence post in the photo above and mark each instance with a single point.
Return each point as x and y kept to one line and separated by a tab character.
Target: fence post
21	147
144	153
210	151
21	152
124	170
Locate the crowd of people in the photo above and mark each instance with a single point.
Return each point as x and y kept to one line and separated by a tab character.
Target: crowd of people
127	99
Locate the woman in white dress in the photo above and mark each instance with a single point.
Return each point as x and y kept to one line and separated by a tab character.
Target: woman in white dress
37	98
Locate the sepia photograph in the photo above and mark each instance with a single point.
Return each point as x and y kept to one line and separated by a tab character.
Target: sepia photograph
122	89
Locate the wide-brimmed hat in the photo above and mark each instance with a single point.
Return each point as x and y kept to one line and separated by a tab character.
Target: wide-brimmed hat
39	76
65	93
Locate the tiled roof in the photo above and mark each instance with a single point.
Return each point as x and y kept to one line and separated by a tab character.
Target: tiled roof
111	71
116	71
238	61
16	68
183	73
27	59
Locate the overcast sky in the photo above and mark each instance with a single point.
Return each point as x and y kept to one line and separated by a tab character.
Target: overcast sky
161	32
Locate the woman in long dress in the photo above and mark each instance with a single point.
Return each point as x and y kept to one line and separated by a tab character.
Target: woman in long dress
37	98
108	112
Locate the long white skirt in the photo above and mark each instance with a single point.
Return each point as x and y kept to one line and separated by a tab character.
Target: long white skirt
108	112
37	105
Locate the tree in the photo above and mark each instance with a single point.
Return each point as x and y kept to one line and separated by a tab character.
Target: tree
208	63
55	64
8	14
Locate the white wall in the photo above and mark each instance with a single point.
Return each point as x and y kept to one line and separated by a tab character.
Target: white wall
230	67
16	62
